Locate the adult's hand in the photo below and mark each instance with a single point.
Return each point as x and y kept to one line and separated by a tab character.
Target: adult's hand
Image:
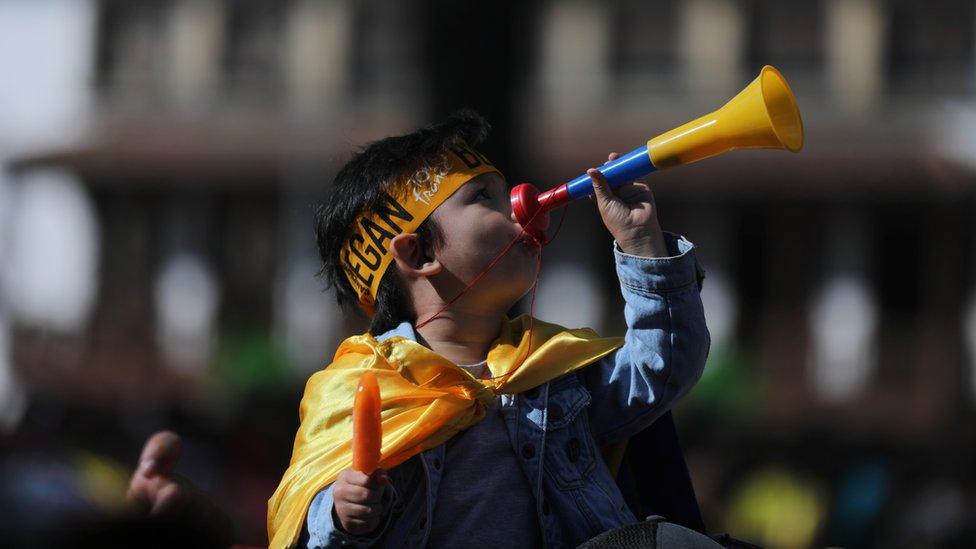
155	491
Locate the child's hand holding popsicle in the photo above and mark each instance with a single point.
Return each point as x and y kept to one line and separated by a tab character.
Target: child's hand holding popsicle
358	492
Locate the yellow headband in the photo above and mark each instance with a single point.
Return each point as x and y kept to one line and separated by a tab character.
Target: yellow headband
365	255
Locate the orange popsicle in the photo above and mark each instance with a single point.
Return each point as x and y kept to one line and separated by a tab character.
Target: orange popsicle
367	432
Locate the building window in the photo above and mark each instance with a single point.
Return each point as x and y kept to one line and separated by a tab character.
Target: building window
131	48
930	46
644	44
787	34
252	53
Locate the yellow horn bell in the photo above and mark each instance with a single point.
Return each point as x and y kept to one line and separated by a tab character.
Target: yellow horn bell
764	115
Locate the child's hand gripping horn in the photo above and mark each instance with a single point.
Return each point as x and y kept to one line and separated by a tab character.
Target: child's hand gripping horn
367	431
764	115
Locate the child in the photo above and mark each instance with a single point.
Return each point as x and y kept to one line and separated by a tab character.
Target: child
491	427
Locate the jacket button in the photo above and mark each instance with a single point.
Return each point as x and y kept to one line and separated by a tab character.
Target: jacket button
437	464
573	449
555	412
528	451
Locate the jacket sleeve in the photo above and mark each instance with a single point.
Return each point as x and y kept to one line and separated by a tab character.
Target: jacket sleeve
665	345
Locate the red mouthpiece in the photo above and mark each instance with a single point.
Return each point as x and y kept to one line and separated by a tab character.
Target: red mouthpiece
531	208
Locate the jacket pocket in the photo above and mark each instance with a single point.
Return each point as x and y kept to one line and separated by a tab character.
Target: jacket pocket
570	452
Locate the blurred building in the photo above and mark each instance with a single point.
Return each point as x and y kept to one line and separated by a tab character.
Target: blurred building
203	132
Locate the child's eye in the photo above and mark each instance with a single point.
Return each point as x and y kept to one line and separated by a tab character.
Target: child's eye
482	194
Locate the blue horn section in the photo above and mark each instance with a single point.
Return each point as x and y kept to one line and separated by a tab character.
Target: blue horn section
631	166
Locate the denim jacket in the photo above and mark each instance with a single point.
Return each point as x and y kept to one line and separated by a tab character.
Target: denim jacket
558	427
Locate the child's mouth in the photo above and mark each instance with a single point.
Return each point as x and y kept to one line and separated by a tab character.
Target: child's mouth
526	239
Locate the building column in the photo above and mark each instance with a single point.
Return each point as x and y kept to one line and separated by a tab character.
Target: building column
710	228
574	69
196	41
712	45
855	42
317	41
186	292
844	314
307	322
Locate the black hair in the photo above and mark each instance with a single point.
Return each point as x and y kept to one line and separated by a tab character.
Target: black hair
359	187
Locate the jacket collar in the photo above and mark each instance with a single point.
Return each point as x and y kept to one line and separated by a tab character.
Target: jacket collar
405	329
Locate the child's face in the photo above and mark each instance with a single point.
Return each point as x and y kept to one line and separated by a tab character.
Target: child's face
477	224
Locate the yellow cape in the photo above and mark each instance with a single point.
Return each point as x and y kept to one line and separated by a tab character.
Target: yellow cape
426	400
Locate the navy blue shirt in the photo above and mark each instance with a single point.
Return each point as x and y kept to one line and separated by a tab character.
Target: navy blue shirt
497	510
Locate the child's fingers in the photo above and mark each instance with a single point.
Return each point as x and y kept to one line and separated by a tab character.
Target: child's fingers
613	156
360	495
359	526
358	511
601	189
632	190
358	478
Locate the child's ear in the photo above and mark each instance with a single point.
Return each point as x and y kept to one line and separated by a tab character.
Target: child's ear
410	258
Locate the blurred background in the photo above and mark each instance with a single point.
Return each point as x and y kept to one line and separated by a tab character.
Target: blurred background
162	160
